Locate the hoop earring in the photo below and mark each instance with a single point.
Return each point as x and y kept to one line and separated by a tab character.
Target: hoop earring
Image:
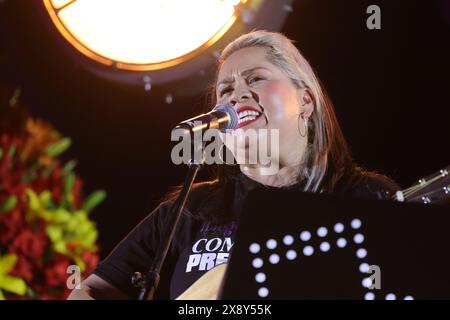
306	127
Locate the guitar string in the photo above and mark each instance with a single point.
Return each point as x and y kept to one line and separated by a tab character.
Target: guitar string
407	192
428	194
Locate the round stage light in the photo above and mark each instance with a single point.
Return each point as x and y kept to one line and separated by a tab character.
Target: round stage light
165	43
141	34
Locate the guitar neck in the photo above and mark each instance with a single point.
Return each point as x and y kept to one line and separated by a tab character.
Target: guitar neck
434	188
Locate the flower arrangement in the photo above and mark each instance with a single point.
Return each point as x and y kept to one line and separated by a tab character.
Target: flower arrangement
44	219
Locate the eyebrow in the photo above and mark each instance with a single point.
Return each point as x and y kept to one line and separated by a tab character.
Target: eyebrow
243	73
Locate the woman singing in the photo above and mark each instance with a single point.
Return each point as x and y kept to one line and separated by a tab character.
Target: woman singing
271	86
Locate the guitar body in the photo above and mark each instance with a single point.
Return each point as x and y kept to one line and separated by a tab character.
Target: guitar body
207	287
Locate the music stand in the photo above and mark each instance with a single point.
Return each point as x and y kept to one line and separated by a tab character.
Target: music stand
292	245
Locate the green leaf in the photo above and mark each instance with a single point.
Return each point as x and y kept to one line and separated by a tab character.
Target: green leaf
31	173
28	176
55	134
48	170
51	206
58	147
15	97
8	204
69	166
93	200
12	151
68	184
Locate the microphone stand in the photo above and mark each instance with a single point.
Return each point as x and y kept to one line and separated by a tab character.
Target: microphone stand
149	283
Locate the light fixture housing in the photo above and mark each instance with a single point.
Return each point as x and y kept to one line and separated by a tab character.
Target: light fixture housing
155	43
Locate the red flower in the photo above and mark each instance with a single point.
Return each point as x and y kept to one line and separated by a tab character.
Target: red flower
40	184
10	224
56	194
55	183
29	244
23	269
77	193
5	161
46	296
59	296
56	272
91	259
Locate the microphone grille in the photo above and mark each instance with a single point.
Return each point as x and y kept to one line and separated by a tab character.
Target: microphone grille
234	118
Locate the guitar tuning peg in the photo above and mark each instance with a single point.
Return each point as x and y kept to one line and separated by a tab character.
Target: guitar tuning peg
426	200
446	189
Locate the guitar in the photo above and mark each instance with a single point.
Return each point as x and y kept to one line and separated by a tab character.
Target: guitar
433	189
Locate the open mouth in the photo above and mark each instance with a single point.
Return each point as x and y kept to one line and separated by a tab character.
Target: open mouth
247	115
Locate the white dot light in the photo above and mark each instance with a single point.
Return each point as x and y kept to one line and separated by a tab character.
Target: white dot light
358	238
390	296
260	277
322	232
341	242
361	253
369	296
308	251
263	292
367	282
324	246
338	227
291	254
254	248
305	236
364	267
271	244
408	298
257	263
274	258
169	99
356	224
288	240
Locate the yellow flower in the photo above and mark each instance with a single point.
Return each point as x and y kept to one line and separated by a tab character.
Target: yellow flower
71	233
9	283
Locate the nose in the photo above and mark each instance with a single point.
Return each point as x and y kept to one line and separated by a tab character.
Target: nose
239	95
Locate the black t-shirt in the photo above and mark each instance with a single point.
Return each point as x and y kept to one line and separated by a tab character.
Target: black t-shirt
198	244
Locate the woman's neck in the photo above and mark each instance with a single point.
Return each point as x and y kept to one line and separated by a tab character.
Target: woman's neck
285	176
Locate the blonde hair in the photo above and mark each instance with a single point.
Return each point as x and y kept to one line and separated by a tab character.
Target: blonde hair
327	157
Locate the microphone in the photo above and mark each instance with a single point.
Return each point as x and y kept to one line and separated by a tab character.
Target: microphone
222	117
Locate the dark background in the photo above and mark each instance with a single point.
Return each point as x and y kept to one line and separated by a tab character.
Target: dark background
390	88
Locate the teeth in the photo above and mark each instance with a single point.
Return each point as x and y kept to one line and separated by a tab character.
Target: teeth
247	118
248	113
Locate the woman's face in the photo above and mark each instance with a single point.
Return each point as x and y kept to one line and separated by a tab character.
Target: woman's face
264	98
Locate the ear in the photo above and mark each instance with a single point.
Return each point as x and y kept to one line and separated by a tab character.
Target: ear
306	102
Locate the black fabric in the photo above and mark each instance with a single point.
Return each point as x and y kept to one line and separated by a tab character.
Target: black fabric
198	245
